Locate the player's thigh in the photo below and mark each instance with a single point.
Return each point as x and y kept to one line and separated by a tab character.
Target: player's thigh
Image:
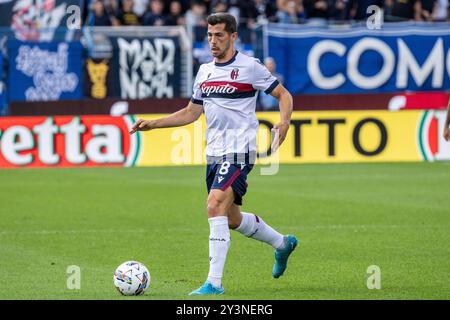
219	201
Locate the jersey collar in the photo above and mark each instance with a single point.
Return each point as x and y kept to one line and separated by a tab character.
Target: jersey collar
222	64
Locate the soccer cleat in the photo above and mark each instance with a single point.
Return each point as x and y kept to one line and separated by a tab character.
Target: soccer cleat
282	255
206	289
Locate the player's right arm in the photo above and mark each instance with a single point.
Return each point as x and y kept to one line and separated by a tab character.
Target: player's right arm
180	118
447	124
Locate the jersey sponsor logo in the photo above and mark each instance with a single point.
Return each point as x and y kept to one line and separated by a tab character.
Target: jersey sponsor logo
220	179
223	89
211	88
234	74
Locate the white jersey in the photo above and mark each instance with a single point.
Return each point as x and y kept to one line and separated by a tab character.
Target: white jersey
228	93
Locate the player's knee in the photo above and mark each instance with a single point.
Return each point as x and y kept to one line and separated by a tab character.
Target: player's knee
213	207
218	202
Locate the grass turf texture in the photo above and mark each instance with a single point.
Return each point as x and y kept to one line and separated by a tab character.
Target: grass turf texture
346	216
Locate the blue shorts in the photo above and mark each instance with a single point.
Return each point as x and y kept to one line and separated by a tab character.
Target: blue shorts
229	171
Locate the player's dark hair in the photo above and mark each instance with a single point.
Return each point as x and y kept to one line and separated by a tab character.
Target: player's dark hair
223	17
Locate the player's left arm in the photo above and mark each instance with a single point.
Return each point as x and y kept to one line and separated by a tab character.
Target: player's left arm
281	128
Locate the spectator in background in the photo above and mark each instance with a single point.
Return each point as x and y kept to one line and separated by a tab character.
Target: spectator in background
266	10
208	5
290	11
266	101
440	13
155	16
244	12
427	7
196	14
403	10
282	11
112	7
98	15
185	5
317	11
126	15
140	6
338	10
175	17
248	13
234	8
219	6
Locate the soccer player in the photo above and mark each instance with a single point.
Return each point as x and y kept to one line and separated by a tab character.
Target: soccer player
225	90
447	123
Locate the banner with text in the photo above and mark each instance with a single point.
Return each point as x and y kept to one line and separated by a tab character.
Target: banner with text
67	141
45	71
314	137
37	20
146	67
359	60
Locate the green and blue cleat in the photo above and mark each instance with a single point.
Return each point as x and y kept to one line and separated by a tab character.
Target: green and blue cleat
207	289
282	255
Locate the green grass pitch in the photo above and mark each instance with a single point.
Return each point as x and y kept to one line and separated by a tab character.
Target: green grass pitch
346	216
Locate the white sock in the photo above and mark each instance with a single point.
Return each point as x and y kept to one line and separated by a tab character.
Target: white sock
219	242
254	227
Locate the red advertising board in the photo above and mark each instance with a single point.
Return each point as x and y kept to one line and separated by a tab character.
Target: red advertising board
67	141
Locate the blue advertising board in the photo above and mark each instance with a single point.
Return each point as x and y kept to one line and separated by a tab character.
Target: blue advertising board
2	88
359	60
45	71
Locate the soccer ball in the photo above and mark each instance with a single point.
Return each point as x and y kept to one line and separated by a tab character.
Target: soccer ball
132	278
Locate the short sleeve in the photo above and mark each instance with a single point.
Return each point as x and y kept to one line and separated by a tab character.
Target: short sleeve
263	79
197	92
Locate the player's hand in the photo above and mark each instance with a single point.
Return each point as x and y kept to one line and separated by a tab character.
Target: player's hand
279	132
142	125
447	134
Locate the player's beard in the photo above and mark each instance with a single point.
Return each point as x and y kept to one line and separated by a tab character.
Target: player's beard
222	54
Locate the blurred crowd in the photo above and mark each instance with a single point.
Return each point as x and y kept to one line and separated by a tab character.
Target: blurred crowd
249	12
